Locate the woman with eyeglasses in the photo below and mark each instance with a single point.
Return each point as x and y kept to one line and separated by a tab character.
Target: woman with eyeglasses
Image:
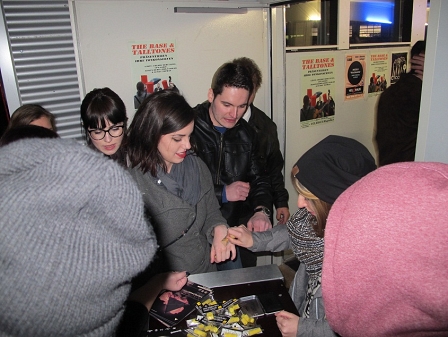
104	120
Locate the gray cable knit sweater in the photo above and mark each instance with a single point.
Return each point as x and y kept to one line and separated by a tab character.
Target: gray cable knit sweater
73	235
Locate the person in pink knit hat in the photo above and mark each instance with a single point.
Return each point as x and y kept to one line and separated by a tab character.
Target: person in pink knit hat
385	267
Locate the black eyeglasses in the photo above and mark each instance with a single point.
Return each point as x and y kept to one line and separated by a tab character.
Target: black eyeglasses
114	131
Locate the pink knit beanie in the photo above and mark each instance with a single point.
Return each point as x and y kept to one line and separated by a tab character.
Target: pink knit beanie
385	269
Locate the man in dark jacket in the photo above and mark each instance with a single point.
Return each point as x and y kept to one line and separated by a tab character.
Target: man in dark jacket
229	147
270	156
398	113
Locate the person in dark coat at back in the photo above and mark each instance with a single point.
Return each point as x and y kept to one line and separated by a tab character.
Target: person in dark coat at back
398	113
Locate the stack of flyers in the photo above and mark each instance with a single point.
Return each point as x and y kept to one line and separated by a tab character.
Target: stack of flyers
171	307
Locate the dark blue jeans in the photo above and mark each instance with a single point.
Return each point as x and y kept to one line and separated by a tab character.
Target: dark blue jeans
229	264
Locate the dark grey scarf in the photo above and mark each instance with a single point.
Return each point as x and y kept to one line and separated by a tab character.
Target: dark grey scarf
309	250
183	180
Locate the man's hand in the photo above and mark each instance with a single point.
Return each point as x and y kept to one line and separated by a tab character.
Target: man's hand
282	215
240	236
237	191
259	222
418	64
287	323
221	249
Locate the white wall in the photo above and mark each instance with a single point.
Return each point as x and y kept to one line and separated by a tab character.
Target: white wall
432	137
354	118
204	42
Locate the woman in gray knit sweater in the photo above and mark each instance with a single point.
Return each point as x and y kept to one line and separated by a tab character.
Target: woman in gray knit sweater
177	186
319	176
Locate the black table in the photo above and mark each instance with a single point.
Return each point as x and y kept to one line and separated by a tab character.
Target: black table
245	282
267	322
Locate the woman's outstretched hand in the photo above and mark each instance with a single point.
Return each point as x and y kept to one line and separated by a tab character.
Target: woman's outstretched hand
240	236
222	250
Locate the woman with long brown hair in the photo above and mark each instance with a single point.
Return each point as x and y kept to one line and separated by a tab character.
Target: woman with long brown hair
176	185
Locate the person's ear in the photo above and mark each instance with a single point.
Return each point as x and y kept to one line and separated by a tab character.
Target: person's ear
211	95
